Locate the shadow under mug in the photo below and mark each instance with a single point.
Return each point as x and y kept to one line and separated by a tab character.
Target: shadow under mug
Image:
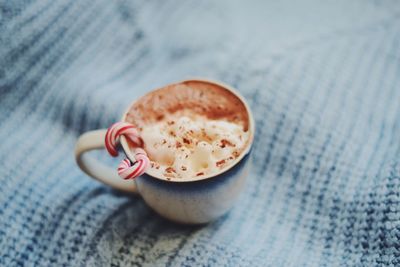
189	202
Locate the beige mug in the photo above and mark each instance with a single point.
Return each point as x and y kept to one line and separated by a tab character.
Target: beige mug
196	201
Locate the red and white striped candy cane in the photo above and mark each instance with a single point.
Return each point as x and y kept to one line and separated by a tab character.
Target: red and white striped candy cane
115	131
126	169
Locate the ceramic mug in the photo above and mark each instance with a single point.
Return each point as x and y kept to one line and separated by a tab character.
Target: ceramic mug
190	202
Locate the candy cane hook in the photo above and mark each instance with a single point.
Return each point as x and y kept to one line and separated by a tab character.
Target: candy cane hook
115	131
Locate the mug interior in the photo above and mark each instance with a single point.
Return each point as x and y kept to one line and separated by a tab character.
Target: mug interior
250	127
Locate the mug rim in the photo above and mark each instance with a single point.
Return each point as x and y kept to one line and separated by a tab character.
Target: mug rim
246	151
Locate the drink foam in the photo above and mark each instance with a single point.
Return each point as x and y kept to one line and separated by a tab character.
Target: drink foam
185	147
190	129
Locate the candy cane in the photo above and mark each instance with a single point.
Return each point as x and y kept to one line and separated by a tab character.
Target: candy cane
126	169
115	131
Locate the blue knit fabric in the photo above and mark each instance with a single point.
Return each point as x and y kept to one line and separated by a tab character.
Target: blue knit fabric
323	81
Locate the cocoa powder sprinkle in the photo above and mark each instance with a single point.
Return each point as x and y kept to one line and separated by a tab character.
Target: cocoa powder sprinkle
221	162
225	142
170	169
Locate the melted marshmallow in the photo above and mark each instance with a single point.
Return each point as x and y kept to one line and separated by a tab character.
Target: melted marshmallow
186	147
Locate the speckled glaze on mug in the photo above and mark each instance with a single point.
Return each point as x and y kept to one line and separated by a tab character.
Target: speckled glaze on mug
183	201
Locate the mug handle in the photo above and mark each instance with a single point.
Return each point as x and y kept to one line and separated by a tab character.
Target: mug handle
95	169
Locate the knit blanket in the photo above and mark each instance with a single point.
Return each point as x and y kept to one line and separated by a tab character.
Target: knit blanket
323	82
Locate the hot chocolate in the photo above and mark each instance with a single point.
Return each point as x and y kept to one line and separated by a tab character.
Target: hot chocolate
191	129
